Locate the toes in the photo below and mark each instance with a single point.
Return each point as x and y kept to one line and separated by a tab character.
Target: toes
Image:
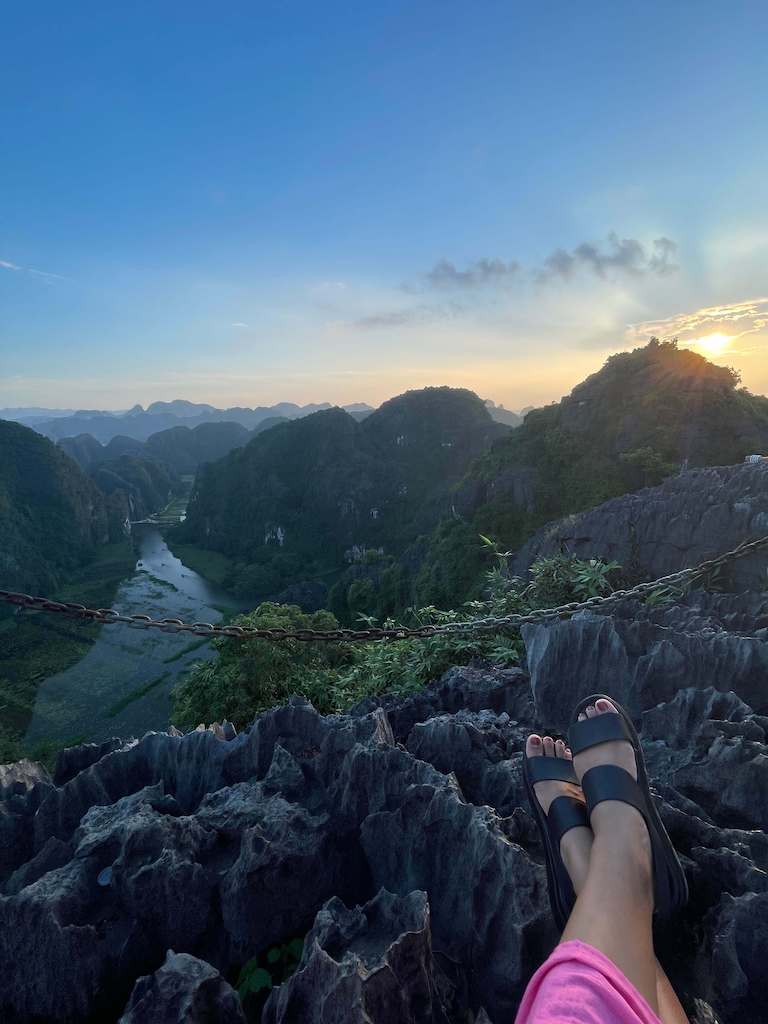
559	748
582	716
568	754
591	711
534	746
549	746
604	706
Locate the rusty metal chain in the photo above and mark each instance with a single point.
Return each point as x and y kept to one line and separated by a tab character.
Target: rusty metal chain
108	616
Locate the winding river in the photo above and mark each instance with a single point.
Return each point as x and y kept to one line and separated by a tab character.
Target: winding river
122	686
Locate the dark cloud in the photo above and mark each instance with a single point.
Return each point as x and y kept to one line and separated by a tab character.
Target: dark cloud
484	271
482	282
603	259
664	250
616	255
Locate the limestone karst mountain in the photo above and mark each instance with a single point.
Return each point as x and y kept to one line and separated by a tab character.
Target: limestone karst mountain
640	418
52	516
310	496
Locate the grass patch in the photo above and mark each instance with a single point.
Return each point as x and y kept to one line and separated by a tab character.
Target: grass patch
95	585
137	694
212	565
34	645
186	650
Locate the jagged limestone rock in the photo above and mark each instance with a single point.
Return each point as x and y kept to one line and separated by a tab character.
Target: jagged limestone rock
367	965
640	663
184	990
219	846
691	517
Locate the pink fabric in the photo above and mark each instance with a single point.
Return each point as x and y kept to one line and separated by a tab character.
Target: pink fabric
577	984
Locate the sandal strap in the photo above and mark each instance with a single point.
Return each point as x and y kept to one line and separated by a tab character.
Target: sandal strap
600	729
610	782
565	813
556	769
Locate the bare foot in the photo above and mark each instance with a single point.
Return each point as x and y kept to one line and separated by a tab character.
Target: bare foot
614	820
576	844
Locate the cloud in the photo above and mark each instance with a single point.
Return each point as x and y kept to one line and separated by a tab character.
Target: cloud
485	287
611	257
483	272
615	255
7	265
239	323
735	320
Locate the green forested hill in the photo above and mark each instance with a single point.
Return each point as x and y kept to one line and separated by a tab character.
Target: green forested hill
641	417
309	496
135	485
184	449
84	449
181	448
52	517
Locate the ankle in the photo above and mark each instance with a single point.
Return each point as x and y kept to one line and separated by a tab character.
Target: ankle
575	850
621	831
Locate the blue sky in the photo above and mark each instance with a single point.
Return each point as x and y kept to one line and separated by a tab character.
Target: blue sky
251	202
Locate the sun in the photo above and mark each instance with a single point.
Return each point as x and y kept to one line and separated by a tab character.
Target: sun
712	344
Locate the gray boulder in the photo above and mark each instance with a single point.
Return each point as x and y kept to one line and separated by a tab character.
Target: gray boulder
184	990
369	965
685	520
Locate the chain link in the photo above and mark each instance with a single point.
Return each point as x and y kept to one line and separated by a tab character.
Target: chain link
108	616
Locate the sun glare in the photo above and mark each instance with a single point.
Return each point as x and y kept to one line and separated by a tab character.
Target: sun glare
712	344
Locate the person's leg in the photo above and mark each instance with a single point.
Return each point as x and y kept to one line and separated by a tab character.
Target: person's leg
670	1009
576	850
614	909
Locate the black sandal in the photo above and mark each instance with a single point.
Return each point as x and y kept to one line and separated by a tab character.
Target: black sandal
610	782
565	813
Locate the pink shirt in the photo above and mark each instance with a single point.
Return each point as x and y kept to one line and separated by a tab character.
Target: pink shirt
578	984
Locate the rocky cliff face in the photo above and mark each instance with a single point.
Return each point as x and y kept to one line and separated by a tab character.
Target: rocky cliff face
52	516
685	520
142	876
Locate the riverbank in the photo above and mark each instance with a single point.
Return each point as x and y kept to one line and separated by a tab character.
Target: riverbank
123	681
211	564
36	645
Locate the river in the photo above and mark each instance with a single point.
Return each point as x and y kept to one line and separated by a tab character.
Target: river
122	686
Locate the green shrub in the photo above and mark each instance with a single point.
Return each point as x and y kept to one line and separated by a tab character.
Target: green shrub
252	675
563	578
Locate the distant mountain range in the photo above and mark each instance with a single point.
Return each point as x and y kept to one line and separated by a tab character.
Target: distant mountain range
139	423
181	448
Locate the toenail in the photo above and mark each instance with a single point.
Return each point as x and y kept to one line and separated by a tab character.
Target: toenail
535	741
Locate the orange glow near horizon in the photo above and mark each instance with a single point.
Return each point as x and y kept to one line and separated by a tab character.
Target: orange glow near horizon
711	344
